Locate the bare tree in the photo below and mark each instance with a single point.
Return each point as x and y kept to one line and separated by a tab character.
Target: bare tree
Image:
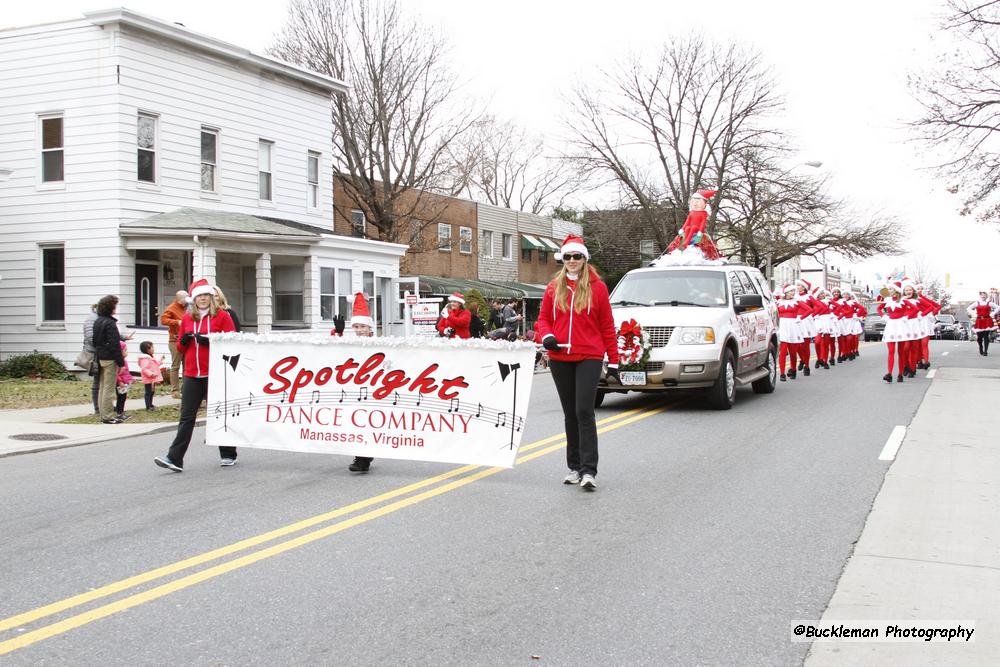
392	131
961	106
923	272
774	214
660	133
499	163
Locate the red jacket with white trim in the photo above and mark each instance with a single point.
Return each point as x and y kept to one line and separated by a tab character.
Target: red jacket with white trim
195	354
589	334
458	319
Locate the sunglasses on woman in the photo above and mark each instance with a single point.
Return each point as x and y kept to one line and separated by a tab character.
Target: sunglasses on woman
573	255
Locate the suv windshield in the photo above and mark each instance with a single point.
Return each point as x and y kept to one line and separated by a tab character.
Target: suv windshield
664	288
946	319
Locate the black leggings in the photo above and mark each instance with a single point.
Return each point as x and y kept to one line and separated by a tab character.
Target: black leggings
576	383
984	341
195	391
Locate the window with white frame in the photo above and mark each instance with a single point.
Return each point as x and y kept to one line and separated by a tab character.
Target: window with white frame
312	169
345	283
465	240
647	251
209	159
368	287
146	140
444	237
288	287
486	243
327	292
358	224
52	148
53	265
265	159
508	246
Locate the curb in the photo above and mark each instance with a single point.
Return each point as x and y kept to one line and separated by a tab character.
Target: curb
93	441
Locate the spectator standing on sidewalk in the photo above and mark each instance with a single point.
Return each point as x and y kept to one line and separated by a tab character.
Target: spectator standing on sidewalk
88	346
171	318
151	371
205	318
477	328
578	330
511	318
108	347
220	299
124	381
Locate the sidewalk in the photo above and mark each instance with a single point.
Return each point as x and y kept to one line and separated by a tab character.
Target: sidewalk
39	422
930	549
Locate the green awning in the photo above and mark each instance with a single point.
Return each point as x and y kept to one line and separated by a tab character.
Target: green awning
529	242
550	243
437	286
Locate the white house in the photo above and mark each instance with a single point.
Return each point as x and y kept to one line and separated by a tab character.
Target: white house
142	155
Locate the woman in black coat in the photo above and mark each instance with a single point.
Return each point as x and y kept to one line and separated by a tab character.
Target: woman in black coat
108	346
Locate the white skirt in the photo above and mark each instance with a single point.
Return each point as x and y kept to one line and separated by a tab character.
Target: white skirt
825	324
897	330
789	330
856	327
808	327
928	321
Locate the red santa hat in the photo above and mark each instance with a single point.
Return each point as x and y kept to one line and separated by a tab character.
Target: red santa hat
572	243
457	297
704	194
787	287
895	286
200	287
802	282
360	313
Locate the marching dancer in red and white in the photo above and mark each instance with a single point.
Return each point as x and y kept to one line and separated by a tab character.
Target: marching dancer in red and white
789	330
825	322
896	331
835	351
912	347
808	322
852	324
984	311
928	309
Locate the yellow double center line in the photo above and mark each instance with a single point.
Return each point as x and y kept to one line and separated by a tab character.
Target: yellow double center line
537	449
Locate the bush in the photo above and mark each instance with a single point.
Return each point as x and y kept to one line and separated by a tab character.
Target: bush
34	365
475	296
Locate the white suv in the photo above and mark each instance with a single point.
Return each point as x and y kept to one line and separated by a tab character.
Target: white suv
713	327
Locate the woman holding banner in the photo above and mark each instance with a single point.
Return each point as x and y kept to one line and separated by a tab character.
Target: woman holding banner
578	330
203	318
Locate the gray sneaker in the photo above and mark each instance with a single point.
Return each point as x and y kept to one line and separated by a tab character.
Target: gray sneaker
572	478
225	463
165	462
587	483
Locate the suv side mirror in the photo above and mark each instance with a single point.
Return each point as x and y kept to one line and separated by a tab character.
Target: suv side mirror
744	302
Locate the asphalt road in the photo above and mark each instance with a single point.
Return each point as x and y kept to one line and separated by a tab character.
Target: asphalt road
709	533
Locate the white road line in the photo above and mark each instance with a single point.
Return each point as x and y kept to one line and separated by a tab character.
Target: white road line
944	354
892	444
930	373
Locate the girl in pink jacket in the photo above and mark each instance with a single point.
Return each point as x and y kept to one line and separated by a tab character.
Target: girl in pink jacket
124	381
149	370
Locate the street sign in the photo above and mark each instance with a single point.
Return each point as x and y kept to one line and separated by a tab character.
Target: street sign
411	299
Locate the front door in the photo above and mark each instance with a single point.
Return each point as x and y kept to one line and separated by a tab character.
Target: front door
147	296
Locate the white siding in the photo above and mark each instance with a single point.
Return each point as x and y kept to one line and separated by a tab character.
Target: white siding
69	69
500	221
190	90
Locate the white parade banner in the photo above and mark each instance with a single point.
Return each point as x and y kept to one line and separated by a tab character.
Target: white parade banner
454	401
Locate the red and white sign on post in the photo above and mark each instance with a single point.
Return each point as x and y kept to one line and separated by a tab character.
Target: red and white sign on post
455	401
411	299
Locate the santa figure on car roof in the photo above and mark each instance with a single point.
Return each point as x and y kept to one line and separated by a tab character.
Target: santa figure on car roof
693	245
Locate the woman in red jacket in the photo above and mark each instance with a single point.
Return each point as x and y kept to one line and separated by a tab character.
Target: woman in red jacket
455	324
578	330
203	318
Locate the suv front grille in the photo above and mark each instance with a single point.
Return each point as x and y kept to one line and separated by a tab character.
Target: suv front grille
654	366
659	336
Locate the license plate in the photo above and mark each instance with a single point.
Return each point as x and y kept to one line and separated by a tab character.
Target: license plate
633	378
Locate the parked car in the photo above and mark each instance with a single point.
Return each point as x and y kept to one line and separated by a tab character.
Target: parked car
874	326
710	327
945	326
965	330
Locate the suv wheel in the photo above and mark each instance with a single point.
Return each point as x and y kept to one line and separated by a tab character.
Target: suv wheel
722	395
766	385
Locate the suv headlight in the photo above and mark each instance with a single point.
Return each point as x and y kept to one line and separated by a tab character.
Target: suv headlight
695	336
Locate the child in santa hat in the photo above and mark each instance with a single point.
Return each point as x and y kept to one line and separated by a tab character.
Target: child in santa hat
455	322
362	325
693	232
896	330
789	330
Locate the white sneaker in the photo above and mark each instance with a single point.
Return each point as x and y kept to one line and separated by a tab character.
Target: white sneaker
572	478
587	483
227	462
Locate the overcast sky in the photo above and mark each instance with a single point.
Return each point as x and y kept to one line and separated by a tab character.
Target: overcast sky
842	68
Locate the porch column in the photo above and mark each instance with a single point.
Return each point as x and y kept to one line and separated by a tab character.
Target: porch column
204	262
310	293
264	313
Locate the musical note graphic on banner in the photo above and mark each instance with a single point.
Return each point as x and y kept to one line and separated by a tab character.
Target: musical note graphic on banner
479	410
363	394
395	397
454	405
501	419
314	397
284	396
